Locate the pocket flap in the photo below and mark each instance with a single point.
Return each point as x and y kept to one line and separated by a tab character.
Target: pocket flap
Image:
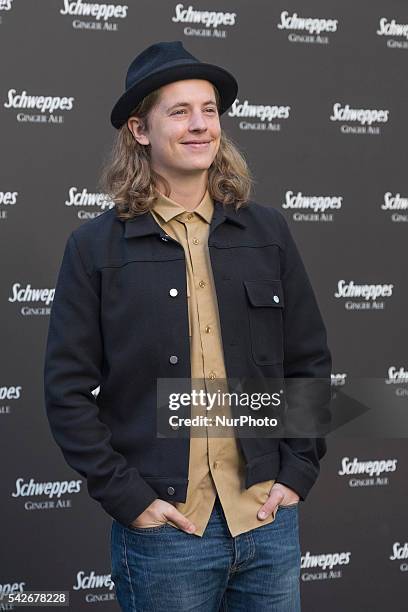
265	292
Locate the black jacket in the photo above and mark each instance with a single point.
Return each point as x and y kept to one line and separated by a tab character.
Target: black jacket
114	325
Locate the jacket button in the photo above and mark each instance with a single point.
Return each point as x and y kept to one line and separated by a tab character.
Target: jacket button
171	490
276	298
173	359
173	292
165	237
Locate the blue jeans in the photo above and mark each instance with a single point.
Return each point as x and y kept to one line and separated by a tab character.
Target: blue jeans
164	569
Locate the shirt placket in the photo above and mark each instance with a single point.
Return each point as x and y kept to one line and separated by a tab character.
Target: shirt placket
210	335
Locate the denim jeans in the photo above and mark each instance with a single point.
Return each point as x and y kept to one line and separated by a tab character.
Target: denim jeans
164	569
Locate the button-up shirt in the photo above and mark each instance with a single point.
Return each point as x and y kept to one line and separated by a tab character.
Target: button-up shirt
216	464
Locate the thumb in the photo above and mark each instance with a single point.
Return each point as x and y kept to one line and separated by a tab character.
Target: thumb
274	499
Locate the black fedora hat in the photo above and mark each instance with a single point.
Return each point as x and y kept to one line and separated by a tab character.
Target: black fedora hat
163	63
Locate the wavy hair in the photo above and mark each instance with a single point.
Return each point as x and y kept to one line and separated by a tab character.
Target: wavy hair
128	179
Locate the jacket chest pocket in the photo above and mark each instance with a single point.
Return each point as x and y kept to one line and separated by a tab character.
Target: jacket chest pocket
265	312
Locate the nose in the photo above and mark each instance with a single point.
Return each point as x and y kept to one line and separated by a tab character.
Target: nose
197	121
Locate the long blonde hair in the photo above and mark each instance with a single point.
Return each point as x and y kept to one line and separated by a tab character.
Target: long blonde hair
128	179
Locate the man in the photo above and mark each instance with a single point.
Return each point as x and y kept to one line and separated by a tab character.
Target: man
186	277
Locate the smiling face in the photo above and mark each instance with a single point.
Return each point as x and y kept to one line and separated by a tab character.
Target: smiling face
184	128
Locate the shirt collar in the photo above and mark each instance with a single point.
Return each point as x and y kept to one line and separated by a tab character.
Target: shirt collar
168	208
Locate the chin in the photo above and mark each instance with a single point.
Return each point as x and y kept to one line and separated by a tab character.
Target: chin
198	165
202	163
201	167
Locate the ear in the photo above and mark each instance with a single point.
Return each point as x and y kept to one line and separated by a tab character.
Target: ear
136	127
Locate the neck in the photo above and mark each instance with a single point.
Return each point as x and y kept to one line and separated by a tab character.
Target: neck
188	191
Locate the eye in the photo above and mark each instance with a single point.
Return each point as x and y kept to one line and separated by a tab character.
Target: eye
177	112
212	110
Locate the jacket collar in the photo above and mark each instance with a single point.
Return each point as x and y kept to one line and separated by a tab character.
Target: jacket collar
145	224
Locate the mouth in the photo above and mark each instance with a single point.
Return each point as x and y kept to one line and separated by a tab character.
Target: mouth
197	144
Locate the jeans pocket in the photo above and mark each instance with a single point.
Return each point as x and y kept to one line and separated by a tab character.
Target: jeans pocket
146	529
289	506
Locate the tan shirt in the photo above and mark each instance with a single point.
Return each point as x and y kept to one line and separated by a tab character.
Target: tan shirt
216	463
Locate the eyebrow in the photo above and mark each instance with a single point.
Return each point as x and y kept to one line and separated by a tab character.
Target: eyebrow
188	104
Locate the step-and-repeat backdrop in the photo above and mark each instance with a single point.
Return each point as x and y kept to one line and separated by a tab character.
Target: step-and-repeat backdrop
321	116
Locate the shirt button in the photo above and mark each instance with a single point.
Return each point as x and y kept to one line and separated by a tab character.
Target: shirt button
276	298
196	240
202	283
190	216
212	375
173	359
173	292
171	490
207	329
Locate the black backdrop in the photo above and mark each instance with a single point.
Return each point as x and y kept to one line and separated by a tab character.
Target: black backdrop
321	117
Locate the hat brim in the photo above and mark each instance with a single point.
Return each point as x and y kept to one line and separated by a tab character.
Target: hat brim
225	83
